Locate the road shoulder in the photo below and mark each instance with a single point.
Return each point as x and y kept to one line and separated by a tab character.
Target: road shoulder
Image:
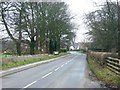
24	67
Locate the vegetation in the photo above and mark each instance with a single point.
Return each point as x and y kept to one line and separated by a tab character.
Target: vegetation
103	73
5	55
104	27
118	6
83	50
24	62
104	32
63	49
37	26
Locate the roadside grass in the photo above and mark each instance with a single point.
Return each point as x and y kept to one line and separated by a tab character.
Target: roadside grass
104	74
24	62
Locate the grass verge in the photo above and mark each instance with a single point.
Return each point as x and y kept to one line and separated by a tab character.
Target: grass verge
104	74
4	56
24	62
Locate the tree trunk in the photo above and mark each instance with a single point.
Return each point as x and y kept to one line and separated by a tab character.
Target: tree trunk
118	29
32	46
58	44
20	35
32	43
51	47
37	28
18	43
18	48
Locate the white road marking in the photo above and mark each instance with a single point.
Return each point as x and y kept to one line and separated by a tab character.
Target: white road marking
66	63
62	65
30	84
73	58
57	68
46	75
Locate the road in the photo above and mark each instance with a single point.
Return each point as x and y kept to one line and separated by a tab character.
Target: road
70	71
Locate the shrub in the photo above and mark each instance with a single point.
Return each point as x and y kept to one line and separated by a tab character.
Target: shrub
83	50
9	53
63	49
100	57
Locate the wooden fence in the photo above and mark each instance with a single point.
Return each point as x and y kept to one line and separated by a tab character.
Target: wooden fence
114	64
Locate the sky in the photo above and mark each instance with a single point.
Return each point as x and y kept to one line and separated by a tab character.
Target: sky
79	8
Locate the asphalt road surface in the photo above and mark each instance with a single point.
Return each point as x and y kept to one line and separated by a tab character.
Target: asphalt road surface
70	71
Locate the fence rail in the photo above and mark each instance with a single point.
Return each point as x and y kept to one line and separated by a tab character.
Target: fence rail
114	64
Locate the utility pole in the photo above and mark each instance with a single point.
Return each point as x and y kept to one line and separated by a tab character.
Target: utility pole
118	7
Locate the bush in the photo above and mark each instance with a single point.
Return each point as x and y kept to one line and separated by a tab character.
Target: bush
83	50
100	57
24	53
9	53
63	49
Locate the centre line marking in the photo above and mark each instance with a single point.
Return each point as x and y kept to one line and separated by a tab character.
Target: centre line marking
47	75
57	68
30	84
62	65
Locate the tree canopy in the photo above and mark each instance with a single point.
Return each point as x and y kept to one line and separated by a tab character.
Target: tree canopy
103	27
40	25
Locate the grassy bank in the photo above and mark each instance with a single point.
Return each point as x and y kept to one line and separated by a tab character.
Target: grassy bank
104	74
24	62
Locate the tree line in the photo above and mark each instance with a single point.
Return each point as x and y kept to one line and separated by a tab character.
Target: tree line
104	27
37	24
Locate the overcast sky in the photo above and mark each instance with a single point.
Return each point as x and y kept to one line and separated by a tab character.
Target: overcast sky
79	8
